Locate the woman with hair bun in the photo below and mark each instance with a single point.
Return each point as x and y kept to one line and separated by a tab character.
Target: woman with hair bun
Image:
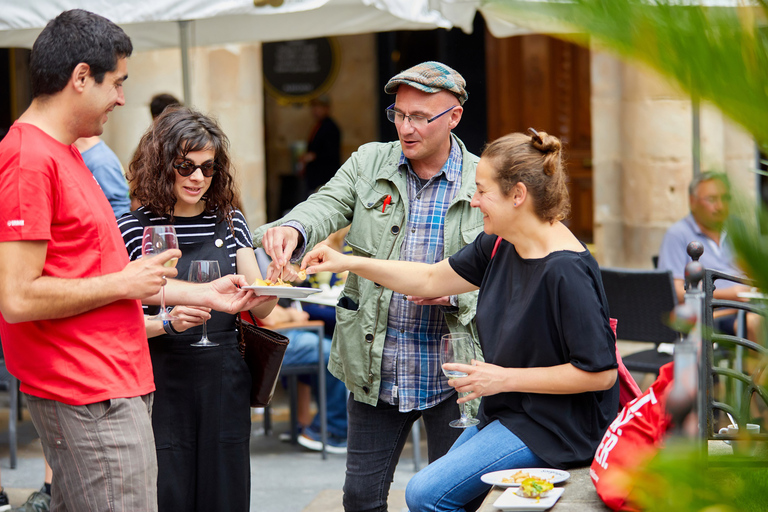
549	383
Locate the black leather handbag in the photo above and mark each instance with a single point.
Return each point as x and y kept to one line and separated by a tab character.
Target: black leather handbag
263	351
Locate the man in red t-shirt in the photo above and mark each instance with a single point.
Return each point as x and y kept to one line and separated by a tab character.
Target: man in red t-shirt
70	313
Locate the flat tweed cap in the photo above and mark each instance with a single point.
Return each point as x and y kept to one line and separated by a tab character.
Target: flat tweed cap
430	77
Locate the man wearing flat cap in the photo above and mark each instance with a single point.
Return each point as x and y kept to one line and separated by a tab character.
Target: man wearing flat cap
406	200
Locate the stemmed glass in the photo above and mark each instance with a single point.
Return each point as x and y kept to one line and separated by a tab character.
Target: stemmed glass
458	348
155	240
204	271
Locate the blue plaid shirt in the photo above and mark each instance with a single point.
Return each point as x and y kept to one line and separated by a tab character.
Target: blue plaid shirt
410	369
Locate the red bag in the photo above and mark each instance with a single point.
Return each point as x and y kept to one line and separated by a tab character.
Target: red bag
633	438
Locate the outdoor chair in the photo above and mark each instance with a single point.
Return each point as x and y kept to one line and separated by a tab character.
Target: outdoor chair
640	301
291	373
733	366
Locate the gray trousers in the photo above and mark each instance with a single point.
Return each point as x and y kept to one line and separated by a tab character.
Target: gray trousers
102	454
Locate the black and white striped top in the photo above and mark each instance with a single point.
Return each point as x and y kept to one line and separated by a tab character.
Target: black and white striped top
195	229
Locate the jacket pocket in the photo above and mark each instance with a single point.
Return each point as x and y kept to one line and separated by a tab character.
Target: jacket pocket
369	223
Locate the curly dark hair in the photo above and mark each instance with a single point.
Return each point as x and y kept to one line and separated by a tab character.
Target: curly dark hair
175	133
535	159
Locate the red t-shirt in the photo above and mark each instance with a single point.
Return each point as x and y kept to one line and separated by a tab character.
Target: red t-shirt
47	193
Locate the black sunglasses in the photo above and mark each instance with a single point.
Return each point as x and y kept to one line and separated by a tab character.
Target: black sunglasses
187	167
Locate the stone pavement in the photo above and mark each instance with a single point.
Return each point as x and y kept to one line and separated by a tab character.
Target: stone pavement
284	478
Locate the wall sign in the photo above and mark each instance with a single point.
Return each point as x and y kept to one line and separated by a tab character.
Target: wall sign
297	71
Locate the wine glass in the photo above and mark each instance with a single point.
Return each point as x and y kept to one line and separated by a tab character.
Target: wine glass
458	348
204	271
155	240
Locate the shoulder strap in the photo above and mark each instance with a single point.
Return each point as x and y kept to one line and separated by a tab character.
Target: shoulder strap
496	246
142	217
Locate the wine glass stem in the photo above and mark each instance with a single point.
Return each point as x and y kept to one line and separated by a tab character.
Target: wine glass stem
162	300
205	330
462	408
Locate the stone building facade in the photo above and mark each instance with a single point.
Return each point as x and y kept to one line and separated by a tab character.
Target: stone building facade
641	134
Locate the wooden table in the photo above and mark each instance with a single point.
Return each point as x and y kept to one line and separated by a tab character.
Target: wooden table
579	495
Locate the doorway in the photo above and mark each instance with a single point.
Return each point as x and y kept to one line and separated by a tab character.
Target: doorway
542	82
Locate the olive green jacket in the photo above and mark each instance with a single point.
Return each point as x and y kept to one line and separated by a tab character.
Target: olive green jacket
356	193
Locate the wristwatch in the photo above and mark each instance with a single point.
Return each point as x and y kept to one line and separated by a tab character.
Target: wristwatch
168	328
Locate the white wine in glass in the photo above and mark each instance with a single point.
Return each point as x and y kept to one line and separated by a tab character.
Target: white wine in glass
204	271
458	348
155	240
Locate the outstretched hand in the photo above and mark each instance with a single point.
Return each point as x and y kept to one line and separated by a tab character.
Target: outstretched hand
322	258
430	301
279	243
225	294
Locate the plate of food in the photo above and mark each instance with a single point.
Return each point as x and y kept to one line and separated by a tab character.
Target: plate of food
514	477
510	500
281	289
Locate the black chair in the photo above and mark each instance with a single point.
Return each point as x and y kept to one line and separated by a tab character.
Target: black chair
729	386
640	300
292	373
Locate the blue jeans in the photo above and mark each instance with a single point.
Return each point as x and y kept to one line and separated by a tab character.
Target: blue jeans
377	435
303	349
454	480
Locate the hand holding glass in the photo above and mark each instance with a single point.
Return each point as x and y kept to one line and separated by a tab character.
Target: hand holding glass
458	348
204	271
157	239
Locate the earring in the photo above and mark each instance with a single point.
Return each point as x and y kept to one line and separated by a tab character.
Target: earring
514	204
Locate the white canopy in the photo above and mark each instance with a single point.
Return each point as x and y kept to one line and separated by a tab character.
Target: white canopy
154	23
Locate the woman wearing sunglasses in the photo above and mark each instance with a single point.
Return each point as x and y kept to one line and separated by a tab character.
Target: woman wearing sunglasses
181	175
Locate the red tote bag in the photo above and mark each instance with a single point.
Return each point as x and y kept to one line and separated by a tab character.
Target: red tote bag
634	437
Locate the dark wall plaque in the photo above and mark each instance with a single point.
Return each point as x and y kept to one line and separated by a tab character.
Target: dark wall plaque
297	71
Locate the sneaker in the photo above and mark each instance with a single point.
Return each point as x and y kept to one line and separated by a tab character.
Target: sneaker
4	503
38	501
285	437
311	440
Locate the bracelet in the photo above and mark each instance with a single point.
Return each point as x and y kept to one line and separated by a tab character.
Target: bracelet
168	328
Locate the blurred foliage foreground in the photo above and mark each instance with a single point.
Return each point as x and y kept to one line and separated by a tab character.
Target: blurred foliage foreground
718	54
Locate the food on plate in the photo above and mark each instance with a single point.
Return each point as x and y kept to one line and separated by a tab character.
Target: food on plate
265	282
516	478
534	487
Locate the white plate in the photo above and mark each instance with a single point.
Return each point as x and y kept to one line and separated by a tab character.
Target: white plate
287	292
511	501
550	475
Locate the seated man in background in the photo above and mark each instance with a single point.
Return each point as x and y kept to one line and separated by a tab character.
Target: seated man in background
708	197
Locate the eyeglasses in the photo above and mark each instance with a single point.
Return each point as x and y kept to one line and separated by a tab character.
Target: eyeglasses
713	200
187	167
398	117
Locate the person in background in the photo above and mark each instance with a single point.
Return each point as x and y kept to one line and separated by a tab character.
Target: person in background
406	200
106	168
5	505
159	102
303	350
182	175
323	156
548	384
709	199
70	311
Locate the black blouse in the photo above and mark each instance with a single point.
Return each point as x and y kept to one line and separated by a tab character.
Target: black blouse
538	313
